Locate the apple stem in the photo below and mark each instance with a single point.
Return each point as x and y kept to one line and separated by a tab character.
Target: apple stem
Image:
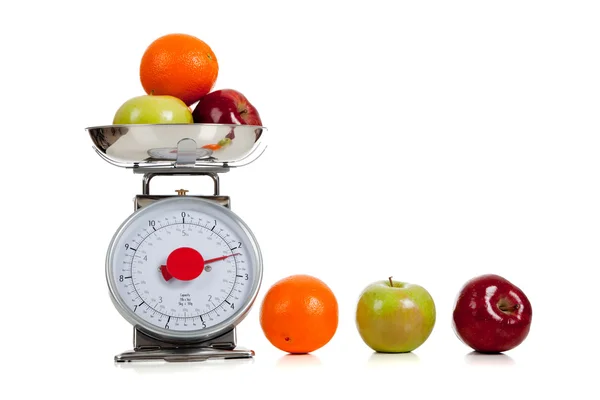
391	283
506	308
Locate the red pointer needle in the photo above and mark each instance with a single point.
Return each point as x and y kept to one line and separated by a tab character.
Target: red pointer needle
167	276
220	258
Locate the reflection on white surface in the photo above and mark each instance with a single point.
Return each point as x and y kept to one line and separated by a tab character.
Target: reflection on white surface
475	358
299	360
161	367
387	359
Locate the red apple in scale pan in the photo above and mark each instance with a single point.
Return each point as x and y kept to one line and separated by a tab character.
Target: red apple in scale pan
226	106
491	315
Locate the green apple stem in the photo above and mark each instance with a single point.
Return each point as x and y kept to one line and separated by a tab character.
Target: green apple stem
391	283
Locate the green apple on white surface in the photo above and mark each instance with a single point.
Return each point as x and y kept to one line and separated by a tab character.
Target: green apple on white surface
395	317
152	109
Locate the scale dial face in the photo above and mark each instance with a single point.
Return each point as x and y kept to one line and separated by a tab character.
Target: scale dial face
184	268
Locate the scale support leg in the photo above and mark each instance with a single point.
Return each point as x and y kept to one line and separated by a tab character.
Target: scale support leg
147	348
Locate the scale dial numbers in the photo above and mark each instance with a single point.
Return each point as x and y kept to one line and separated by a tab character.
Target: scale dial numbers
183	267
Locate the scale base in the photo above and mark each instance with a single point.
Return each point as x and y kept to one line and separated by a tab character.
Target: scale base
147	348
183	355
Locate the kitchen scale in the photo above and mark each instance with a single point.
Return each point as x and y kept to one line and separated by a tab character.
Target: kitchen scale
184	270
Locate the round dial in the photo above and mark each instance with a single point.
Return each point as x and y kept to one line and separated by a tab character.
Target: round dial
184	268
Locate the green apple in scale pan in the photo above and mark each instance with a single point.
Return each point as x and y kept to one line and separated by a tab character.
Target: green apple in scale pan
395	317
151	109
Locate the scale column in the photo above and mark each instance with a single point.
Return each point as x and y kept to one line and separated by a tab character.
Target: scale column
146	198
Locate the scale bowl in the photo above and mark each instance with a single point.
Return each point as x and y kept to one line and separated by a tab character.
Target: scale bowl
172	145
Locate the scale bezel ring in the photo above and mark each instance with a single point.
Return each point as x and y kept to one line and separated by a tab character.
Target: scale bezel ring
198	335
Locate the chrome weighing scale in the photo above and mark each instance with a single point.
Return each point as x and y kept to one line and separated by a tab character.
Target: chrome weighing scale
184	270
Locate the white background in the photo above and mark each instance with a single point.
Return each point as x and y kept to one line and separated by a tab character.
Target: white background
431	141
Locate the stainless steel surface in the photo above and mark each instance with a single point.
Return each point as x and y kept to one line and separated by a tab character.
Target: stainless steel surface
145	200
187	153
183	355
143	341
148	348
149	175
178	145
201	334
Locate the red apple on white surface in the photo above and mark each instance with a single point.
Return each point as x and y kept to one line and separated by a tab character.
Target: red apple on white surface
491	314
226	106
